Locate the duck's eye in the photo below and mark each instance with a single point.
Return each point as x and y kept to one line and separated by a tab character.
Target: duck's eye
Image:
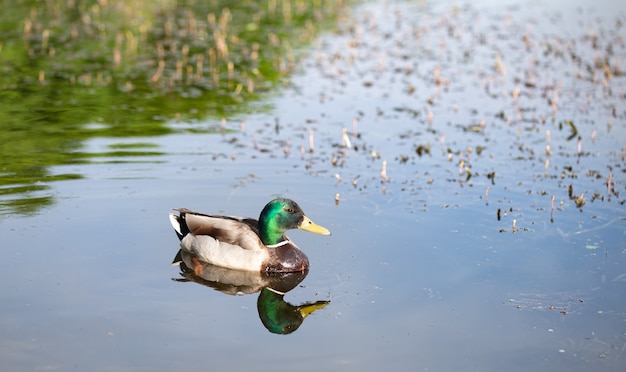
290	210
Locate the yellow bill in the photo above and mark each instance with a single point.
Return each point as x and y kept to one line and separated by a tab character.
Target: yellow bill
310	226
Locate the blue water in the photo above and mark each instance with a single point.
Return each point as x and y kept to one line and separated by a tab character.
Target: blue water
420	273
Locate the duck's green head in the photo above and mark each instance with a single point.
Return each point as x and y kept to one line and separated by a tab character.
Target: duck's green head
281	215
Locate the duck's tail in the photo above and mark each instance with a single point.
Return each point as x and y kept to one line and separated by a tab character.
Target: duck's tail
179	224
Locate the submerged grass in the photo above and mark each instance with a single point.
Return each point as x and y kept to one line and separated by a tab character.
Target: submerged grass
127	62
130	67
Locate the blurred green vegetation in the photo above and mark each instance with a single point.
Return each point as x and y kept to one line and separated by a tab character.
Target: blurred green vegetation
131	67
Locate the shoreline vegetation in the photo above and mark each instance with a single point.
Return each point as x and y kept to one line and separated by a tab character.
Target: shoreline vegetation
73	70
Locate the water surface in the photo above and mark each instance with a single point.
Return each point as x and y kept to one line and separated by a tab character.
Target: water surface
448	250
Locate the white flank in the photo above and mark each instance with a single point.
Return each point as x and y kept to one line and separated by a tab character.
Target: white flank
211	250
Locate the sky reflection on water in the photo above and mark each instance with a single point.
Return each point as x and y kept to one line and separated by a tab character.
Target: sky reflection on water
419	271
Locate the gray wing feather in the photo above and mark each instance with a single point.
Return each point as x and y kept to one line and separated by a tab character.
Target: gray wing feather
229	229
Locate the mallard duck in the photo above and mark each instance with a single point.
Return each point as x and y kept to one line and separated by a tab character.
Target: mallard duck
245	243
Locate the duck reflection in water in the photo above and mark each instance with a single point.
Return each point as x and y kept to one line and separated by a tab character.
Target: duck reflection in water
276	314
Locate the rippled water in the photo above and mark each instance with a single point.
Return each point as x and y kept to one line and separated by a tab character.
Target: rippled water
448	250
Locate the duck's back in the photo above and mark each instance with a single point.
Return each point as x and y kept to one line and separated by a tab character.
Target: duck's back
239	231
